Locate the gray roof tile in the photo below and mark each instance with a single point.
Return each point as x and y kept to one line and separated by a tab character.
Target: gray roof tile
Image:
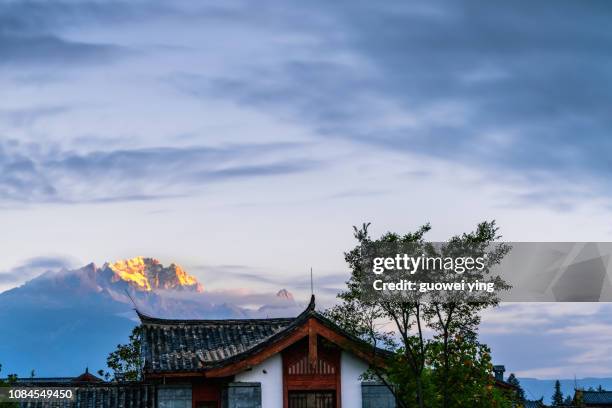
597	397
185	345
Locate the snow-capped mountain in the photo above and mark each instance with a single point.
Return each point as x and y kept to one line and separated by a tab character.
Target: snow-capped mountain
63	320
148	274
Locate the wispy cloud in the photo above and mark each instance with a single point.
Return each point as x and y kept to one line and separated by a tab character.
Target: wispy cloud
457	81
328	284
550	340
33	267
28	116
33	32
52	50
32	173
26	38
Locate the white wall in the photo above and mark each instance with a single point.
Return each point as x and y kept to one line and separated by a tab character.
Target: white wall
351	368
271	381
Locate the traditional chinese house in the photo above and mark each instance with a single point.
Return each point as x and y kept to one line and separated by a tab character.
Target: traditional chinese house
301	362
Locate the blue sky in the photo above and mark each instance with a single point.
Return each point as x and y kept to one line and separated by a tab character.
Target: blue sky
243	140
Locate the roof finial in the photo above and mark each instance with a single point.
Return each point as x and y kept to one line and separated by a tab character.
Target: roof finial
311	305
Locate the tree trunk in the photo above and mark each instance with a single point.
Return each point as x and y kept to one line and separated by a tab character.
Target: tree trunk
420	392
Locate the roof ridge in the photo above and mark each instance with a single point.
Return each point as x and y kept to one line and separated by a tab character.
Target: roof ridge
175	322
147	319
602	391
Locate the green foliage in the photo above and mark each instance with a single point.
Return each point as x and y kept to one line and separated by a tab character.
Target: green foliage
105	374
126	361
557	398
469	381
514	381
450	370
11	379
579	400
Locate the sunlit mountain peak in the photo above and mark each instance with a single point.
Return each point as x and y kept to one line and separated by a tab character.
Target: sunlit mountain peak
148	274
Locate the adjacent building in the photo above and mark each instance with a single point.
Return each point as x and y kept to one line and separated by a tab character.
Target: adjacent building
593	399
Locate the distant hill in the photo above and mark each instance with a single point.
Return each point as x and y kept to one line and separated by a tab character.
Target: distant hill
62	321
536	388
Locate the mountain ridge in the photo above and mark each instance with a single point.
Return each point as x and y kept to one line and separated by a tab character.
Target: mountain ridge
149	274
61	321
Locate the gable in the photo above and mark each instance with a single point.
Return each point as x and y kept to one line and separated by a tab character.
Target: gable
218	348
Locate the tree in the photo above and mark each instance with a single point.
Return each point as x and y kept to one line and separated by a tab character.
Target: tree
362	317
514	381
126	361
11	379
452	367
469	379
557	398
567	401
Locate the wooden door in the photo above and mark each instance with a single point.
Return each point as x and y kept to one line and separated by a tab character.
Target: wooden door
312	399
206	404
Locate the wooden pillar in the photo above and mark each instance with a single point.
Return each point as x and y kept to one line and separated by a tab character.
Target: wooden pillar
312	346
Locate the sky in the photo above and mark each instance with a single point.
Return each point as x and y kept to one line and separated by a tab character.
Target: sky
243	140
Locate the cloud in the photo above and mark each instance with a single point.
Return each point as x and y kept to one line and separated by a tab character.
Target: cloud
52	50
33	32
29	116
453	81
328	285
33	173
33	267
548	340
488	87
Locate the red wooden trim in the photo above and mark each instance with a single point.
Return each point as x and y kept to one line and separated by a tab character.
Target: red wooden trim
205	392
312	379
257	358
312	326
312	345
339	381
346	343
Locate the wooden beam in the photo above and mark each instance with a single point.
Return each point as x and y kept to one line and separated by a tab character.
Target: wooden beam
312	345
259	357
311	329
346	343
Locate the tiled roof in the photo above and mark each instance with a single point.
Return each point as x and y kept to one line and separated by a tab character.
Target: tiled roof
46	380
196	345
191	345
532	404
105	395
597	397
87	377
176	346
